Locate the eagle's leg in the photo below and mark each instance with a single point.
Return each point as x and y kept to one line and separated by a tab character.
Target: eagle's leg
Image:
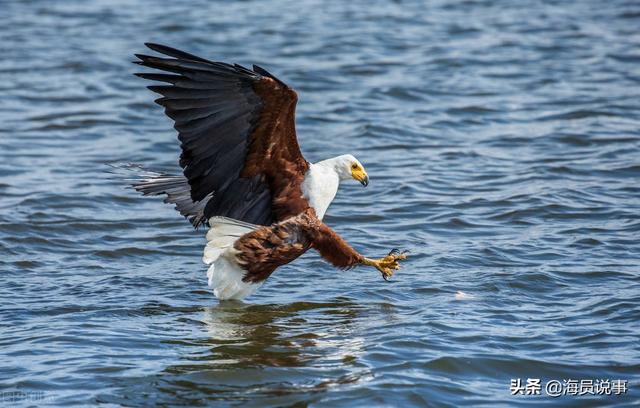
388	264
337	251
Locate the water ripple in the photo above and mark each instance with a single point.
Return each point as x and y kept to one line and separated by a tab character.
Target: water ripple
502	142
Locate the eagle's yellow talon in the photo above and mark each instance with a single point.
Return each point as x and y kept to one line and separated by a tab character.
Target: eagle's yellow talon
388	264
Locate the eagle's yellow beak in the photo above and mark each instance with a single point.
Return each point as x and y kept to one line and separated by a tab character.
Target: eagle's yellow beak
358	173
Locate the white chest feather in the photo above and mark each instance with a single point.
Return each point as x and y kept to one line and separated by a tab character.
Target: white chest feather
320	187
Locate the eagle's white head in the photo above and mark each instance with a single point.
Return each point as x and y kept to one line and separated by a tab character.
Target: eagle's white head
323	178
348	167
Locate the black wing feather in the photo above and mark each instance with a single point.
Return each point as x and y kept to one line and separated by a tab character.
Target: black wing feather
215	110
266	73
172	52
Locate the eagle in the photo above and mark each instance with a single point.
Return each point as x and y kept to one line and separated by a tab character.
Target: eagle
243	174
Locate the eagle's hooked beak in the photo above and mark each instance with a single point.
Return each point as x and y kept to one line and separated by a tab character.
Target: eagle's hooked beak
365	180
359	174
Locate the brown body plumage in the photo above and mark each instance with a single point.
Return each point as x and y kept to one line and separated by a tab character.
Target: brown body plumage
263	250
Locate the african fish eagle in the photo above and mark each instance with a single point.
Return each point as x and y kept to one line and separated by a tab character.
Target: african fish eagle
243	173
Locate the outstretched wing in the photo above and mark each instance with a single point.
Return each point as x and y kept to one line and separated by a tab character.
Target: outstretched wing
237	132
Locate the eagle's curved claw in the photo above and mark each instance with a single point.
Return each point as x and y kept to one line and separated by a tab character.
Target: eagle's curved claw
389	263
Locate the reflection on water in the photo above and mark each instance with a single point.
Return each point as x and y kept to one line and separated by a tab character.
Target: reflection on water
242	347
247	336
280	335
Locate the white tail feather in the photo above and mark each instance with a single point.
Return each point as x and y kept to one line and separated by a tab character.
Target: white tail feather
225	275
223	232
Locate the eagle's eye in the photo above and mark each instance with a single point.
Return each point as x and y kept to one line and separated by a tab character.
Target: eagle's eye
354	166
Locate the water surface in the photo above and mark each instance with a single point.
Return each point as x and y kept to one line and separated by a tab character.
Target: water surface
502	140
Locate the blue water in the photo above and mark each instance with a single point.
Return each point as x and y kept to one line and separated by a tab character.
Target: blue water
503	144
